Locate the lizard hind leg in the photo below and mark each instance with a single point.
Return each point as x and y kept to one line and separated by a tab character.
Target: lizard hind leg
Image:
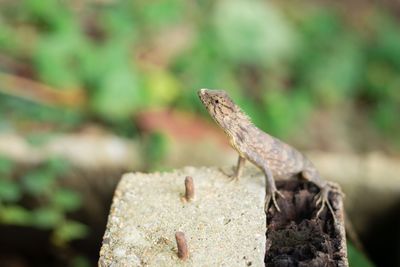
322	198
271	191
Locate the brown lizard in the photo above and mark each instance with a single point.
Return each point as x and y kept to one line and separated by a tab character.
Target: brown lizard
275	158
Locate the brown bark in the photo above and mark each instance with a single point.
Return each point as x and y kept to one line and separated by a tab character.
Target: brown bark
295	237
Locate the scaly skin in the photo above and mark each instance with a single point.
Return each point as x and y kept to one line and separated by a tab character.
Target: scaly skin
275	158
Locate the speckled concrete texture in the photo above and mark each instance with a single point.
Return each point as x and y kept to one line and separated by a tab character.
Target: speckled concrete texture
224	225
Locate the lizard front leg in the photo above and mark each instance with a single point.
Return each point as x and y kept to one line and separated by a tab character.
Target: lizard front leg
270	190
238	169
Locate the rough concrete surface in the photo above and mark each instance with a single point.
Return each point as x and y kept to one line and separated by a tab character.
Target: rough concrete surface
224	225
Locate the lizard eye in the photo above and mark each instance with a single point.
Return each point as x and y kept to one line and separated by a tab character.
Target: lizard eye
216	101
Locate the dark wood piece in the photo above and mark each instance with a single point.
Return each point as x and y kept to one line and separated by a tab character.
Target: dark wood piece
297	237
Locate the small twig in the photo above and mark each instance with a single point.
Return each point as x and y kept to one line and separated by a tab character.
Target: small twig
183	251
189	188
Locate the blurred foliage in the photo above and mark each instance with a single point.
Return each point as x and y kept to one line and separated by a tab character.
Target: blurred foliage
49	203
356	258
282	63
155	149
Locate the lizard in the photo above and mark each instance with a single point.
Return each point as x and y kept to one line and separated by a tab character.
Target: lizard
275	158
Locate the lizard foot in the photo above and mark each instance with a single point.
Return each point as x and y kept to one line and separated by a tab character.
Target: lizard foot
232	177
334	187
272	196
322	199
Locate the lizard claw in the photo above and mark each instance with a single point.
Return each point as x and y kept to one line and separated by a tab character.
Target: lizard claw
280	194
272	195
334	187
232	177
322	199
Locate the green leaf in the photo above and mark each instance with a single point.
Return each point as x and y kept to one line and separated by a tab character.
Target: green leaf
9	190
14	214
119	22
284	111
38	139
57	58
57	165
66	199
80	261
8	39
253	31
387	40
70	230
335	76
356	258
119	94
158	146
6	165
385	117
38	182
162	87
54	14
46	217
161	13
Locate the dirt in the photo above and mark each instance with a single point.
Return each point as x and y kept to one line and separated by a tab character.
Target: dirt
295	237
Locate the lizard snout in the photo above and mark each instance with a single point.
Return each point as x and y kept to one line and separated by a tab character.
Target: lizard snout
202	91
202	95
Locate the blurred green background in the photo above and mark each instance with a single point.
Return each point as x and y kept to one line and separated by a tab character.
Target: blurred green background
294	66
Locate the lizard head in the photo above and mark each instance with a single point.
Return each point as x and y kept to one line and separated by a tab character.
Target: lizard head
219	105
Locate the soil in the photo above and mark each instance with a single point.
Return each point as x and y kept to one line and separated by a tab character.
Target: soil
295	237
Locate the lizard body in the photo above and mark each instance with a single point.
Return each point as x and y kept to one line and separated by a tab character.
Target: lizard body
275	158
